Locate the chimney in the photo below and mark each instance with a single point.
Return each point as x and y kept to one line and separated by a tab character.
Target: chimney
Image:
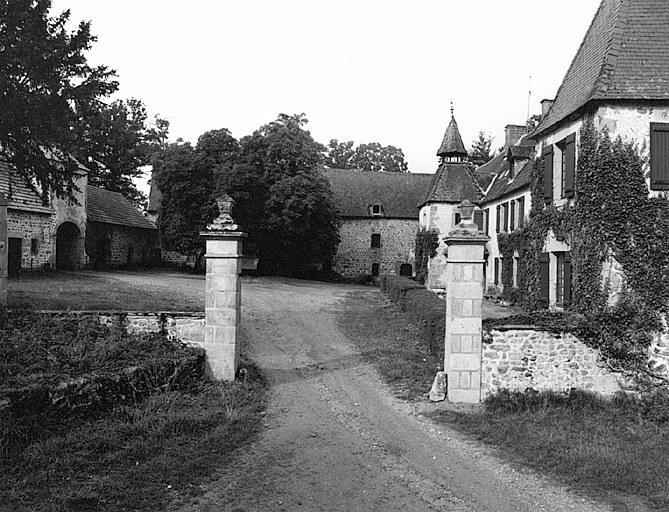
513	133
545	107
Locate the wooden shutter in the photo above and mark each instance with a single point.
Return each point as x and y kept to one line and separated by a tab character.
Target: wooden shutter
521	212
505	209
497	222
566	295
487	220
544	277
569	170
659	156
547	155
478	219
496	271
512	220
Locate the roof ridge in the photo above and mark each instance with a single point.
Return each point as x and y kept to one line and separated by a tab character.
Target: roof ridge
610	62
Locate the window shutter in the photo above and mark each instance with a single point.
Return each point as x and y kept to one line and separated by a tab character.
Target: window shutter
544	278
659	156
547	155
497	222
569	165
521	212
567	280
478	219
505	209
512	220
487	220
496	271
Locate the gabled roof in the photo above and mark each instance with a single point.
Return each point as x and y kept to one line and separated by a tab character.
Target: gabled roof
452	144
20	195
623	56
399	193
113	208
453	183
502	186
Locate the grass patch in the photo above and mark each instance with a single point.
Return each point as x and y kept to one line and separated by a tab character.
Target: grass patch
387	339
593	443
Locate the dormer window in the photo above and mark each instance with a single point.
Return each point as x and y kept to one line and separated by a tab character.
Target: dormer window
376	210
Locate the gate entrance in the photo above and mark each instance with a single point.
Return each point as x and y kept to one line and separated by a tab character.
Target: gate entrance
67	246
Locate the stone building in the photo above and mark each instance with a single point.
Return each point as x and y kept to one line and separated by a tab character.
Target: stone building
449	186
619	78
69	235
379	220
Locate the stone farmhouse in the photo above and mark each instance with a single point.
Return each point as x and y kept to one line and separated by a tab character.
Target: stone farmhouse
379	220
619	79
102	229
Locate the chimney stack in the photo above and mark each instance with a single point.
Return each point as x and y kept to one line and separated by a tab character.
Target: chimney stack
513	133
545	107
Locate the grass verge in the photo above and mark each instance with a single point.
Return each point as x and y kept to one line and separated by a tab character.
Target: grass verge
607	448
392	344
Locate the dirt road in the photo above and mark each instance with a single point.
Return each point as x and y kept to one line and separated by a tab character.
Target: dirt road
336	440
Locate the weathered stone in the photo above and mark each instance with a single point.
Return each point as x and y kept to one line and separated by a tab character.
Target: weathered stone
439	387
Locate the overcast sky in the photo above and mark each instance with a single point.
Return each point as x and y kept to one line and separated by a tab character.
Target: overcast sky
365	70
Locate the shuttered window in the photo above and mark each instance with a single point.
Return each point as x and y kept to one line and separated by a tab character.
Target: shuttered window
544	278
568	147
659	156
478	219
498	218
547	155
512	217
563	279
487	220
496	271
505	212
521	212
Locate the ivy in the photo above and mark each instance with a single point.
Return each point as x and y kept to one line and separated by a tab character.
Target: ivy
427	241
611	217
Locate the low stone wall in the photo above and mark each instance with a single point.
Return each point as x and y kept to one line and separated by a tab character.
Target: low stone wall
520	358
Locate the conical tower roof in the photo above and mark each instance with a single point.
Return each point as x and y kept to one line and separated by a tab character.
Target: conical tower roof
452	145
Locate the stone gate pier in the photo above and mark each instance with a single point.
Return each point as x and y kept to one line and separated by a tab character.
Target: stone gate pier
223	293
464	298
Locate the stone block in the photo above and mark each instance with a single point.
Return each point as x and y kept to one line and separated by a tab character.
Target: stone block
453	341
469	325
223	282
463	290
221	316
467	307
465	380
464	362
222	266
468	396
466	345
468	272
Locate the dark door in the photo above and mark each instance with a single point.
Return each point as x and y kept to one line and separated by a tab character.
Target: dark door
14	257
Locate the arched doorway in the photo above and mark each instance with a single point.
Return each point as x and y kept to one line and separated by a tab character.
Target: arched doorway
67	246
406	270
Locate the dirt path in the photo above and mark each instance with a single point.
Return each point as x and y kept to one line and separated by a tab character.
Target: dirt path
336	439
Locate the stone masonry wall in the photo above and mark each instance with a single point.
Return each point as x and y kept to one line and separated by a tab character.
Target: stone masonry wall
355	255
518	359
187	327
30	225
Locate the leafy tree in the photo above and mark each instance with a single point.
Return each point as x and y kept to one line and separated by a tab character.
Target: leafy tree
282	200
365	157
480	153
45	83
115	142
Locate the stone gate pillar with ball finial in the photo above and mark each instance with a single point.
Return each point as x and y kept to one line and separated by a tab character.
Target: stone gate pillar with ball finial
223	293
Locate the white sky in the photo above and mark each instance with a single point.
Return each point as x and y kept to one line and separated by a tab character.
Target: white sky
365	70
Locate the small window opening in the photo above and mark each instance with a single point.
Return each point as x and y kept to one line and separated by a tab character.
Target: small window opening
376	240
375	270
376	209
34	246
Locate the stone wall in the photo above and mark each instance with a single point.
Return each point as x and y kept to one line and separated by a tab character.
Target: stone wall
523	358
184	326
355	255
110	245
32	225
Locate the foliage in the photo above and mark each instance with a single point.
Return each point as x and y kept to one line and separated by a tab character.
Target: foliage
45	85
612	217
427	241
365	157
115	142
480	153
282	200
187	179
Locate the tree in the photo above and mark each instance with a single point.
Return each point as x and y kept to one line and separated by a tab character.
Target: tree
115	142
282	200
479	153
365	157
187	178
45	83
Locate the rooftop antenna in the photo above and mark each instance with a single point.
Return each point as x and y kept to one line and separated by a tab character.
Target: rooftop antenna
452	109
529	97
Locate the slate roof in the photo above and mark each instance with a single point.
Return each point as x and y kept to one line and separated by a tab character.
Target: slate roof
399	193
113	208
20	195
623	56
501	186
452	183
452	144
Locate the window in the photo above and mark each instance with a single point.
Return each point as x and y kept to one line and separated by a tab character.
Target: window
375	270
34	246
486	216
568	149
376	210
512	219
521	212
457	218
505	213
563	279
659	156
547	155
544	276
478	219
496	271
499	216
376	240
